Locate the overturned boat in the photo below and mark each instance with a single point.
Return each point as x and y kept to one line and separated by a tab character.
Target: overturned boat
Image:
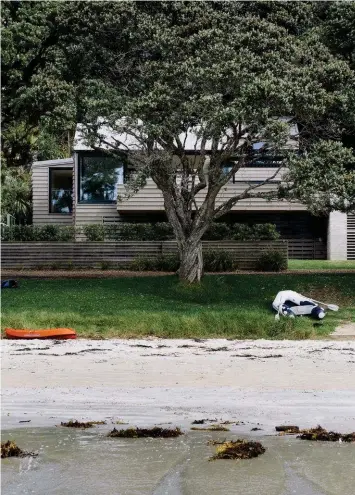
290	303
47	333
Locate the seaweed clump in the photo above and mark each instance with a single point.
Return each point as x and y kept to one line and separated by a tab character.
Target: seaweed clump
240	449
85	424
321	435
287	429
211	428
155	432
10	449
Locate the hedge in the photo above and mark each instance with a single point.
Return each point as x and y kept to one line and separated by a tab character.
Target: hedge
161	231
28	233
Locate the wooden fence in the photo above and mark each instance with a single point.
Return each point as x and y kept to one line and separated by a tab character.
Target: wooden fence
56	255
306	249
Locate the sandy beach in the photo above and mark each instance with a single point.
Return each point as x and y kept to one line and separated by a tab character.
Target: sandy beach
159	381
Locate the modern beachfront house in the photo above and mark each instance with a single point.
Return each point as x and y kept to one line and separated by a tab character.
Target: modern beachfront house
85	189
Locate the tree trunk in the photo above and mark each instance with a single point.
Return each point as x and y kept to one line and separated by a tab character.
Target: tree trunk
191	261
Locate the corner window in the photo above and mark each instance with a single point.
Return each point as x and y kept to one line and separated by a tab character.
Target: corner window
61	190
99	177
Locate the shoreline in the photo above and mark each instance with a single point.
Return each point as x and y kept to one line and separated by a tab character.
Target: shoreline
151	381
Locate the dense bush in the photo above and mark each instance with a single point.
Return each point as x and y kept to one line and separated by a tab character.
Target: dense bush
28	233
219	261
162	263
161	231
214	261
94	232
272	261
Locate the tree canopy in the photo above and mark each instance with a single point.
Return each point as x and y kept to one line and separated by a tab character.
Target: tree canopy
223	71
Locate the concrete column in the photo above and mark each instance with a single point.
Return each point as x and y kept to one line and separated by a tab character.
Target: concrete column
337	236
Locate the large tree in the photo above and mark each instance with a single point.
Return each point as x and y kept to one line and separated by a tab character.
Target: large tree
223	73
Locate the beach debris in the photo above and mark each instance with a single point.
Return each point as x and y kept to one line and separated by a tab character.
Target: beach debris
256	429
25	421
321	435
199	421
211	428
290	303
287	429
10	449
84	424
121	422
217	349
155	432
239	449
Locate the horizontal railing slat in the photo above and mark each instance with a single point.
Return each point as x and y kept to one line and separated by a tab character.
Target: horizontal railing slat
32	254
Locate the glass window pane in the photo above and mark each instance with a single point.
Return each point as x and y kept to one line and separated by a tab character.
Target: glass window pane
99	178
61	190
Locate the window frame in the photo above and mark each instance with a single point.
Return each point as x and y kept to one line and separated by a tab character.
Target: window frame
81	156
50	173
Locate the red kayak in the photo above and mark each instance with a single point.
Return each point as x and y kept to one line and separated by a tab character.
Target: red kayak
48	333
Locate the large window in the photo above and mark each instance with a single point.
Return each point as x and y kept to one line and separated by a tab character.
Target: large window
61	190
99	177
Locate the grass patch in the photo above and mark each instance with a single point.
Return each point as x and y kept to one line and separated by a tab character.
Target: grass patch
229	306
321	265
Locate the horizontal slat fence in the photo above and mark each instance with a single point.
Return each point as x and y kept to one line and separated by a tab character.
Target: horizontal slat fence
351	237
55	255
306	249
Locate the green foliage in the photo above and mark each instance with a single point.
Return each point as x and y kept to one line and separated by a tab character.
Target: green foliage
323	179
16	194
94	232
160	263
219	231
105	265
241	232
162	231
214	261
219	261
272	261
32	233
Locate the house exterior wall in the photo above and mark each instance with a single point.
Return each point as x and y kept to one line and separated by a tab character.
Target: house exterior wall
40	193
150	197
337	236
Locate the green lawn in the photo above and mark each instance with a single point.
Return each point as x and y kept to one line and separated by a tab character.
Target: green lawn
232	306
321	265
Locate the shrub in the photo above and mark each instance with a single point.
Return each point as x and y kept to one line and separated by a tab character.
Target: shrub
219	261
160	231
105	265
44	233
218	231
272	261
242	232
94	232
265	232
162	263
67	233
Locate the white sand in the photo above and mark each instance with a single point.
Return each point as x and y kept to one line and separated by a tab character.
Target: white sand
312	382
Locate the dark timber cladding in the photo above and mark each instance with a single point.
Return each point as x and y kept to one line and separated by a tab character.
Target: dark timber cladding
351	237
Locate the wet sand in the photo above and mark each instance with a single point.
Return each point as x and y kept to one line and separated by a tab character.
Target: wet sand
153	381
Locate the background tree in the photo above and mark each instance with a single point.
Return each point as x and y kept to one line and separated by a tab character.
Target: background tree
16	194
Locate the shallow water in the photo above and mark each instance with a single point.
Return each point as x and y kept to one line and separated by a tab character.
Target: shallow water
86	462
